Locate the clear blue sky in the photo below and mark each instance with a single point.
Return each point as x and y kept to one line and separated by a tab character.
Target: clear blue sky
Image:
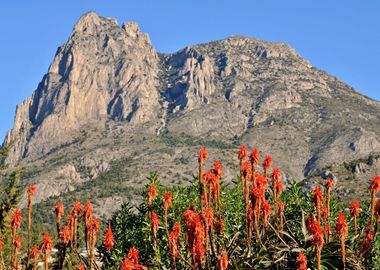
341	37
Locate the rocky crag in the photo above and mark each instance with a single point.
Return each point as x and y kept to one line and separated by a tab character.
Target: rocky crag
111	109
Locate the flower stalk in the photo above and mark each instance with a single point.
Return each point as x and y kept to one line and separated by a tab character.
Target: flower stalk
341	228
31	190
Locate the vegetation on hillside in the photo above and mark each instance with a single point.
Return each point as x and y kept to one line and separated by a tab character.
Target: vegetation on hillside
250	224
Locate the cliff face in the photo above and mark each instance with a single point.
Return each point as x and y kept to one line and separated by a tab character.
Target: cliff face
109	98
102	72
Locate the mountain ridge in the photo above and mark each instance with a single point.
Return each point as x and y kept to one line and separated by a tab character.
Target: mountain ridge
110	97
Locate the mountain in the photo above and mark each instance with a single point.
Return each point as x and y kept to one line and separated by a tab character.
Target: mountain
111	109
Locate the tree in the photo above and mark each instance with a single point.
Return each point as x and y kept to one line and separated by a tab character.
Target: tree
10	194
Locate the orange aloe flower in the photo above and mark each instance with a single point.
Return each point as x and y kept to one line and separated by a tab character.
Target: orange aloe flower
75	213
218	169
15	225
31	190
254	156
266	209
127	264
188	218
310	223
77	208
243	153
215	185
133	255
246	170
329	183
355	208
177	228
154	223
276	174
16	219
109	240
202	156
324	212
93	227
59	209
46	247
374	188
266	164
59	212
209	177
301	262
151	194
174	242
222	261
341	229
47	243
369	236
195	235
167	200
65	235
205	194
173	245
17	242
199	252
318	242
208	217
87	215
87	212
354	211
277	184
261	181
35	252
317	200
375	184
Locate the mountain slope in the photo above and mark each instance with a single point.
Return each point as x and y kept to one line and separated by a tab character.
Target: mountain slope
110	102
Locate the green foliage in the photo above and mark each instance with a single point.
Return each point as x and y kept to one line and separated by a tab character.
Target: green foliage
10	192
3	155
9	199
278	248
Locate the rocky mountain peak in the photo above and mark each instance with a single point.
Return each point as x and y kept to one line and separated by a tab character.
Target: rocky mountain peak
102	72
109	98
132	29
92	23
